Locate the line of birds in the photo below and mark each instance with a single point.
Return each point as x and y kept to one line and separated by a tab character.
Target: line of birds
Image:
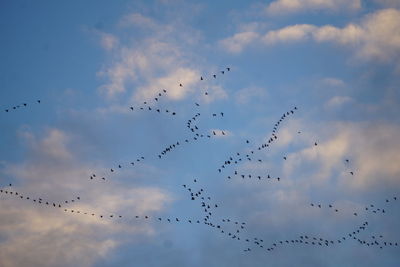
195	137
257	177
23	105
111	216
146	104
309	240
235	159
38	199
370	208
115	169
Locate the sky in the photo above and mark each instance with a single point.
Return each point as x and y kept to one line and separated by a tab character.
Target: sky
334	63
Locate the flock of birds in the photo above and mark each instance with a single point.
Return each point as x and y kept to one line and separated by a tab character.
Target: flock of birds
211	213
23	105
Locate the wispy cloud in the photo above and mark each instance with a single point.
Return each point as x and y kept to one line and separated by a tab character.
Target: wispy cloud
280	7
239	41
158	59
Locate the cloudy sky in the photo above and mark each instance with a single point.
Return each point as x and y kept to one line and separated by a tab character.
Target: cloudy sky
88	62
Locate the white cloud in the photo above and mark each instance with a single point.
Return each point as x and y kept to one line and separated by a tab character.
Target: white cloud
377	36
220	133
279	7
171	82
137	19
246	95
41	235
215	92
338	101
333	82
239	41
289	34
108	41
156	61
371	148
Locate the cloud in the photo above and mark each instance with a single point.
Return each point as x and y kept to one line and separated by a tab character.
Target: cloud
247	95
288	34
338	101
215	92
185	76
371	149
40	235
333	82
377	36
220	133
138	20
388	3
239	41
53	146
108	41
280	7
158	60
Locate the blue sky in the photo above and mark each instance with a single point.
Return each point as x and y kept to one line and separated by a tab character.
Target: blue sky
90	61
